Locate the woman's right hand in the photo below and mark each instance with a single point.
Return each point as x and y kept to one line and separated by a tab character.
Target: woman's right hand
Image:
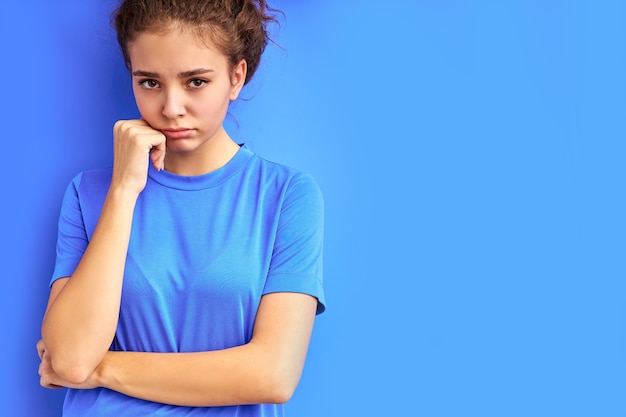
135	143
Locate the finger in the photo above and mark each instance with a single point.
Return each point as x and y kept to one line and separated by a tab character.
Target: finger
157	157
41	348
158	151
44	382
44	366
45	376
143	121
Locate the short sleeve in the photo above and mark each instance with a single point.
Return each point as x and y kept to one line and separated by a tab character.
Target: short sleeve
72	236
296	263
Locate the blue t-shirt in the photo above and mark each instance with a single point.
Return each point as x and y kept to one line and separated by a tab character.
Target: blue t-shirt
202	252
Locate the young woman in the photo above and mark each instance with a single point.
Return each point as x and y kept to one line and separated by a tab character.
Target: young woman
188	275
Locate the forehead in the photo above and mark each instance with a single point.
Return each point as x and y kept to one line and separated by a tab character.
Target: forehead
174	50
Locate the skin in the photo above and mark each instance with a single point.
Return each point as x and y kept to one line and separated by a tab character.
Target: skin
178	82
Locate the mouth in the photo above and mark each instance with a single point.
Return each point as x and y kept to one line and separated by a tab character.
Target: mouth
178	133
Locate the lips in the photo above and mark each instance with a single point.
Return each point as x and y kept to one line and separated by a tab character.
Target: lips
179	133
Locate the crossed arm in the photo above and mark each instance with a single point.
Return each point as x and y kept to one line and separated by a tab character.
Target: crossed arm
266	370
81	319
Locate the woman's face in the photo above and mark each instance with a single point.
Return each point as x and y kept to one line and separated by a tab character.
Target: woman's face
183	87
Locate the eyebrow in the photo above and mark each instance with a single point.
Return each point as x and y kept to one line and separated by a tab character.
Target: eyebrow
184	74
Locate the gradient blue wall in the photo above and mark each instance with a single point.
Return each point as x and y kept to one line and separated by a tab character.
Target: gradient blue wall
471	154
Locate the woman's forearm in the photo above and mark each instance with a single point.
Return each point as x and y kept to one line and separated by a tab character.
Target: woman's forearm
241	375
80	323
266	370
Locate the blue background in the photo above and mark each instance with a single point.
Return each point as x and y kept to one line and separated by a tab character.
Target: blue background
471	154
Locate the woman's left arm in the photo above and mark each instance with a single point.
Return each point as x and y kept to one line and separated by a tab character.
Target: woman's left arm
265	370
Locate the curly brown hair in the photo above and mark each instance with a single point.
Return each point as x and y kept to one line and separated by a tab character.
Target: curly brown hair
237	28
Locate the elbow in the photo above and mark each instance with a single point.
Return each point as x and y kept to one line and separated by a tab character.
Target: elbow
283	396
282	387
279	395
72	372
71	365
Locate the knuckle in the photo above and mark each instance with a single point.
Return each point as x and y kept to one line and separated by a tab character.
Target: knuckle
117	127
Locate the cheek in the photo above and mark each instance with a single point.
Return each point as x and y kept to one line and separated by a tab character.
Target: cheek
148	107
212	105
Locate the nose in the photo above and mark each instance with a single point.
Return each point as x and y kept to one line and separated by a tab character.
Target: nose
174	106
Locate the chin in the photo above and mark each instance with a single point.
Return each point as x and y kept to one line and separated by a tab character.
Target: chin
181	145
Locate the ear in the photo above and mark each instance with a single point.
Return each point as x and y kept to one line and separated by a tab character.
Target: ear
237	78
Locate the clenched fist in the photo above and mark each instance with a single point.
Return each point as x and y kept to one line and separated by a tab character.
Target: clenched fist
135	145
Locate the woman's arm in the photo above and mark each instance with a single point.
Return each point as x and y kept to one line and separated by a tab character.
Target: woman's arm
81	318
82	314
265	370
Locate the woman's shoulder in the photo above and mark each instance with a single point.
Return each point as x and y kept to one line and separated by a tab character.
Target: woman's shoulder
287	173
292	183
92	181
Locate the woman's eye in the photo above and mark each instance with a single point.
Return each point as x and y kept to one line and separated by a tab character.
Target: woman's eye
149	84
197	83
